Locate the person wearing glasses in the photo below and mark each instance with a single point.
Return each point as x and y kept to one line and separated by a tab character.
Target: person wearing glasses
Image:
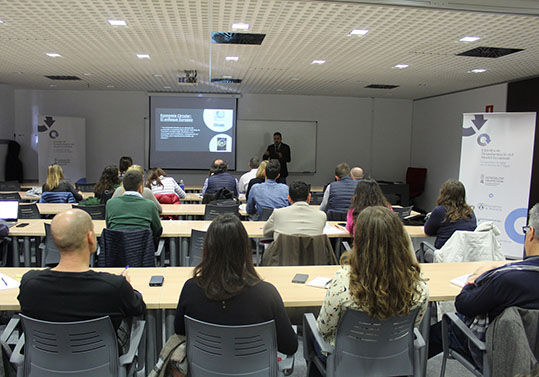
489	291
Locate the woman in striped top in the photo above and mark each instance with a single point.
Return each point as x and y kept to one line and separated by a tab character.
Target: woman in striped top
159	183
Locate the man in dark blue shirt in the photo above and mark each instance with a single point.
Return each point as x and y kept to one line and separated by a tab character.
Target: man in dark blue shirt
491	290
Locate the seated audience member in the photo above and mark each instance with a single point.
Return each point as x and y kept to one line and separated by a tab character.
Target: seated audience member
125	163
159	183
269	194
367	194
380	276
489	291
71	291
107	183
219	177
356	173
244	179
338	194
57	183
131	210
451	214
260	177
226	289
299	218
146	192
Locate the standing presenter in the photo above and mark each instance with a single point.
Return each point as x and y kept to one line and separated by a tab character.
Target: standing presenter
279	151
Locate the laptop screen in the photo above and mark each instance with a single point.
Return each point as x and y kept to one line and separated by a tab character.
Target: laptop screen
9	210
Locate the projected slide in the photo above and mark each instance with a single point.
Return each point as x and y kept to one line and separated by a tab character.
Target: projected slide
193	135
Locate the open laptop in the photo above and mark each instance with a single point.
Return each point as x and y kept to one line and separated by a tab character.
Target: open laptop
9	211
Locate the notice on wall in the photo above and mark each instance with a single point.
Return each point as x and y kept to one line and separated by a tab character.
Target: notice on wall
495	167
62	140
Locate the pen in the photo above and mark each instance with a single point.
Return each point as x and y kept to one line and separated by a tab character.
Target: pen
125	269
5	282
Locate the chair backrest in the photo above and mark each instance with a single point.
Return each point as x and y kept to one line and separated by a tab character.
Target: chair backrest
122	247
195	247
10	196
265	214
85	187
69	349
106	195
51	255
213	210
316	198
298	250
96	212
57	197
415	178
29	211
403	212
219	350
467	246
10	186
336	215
367	346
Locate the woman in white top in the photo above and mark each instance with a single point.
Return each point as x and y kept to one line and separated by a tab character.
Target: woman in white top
159	183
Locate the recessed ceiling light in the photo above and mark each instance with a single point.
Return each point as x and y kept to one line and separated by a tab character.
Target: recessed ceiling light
110	86
117	23
401	66
54	55
87	74
227	77
143	56
167	87
478	70
358	32
232	58
1	22
279	90
157	75
18	73
469	39
52	86
294	79
318	62
240	26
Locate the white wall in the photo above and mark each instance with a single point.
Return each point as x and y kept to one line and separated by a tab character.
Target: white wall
437	133
6	112
359	131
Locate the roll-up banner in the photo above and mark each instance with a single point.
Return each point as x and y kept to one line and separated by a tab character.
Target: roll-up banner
495	167
62	140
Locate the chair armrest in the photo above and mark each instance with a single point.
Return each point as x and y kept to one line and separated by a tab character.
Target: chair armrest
419	342
452	317
160	247
346	245
427	251
17	357
137	330
309	324
286	365
8	332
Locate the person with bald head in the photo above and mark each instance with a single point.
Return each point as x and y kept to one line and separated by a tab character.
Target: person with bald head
356	173
218	178
71	291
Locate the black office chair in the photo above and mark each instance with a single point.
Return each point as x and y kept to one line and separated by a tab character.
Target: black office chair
133	247
316	198
195	248
85	187
336	215
96	212
10	196
213	210
29	211
10	186
50	256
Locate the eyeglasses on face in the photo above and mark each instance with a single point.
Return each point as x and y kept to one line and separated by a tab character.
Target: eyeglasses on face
525	229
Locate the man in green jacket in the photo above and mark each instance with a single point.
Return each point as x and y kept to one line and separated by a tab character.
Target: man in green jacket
131	210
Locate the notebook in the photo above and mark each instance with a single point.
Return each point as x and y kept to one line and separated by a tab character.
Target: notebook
9	211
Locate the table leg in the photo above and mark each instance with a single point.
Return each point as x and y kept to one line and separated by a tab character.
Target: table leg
27	256
169	322
184	250
424	329
15	249
173	252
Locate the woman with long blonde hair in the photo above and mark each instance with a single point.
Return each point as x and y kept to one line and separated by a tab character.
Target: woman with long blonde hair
451	214
379	276
57	183
260	177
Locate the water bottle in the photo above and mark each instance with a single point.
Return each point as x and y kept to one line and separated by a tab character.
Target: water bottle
182	186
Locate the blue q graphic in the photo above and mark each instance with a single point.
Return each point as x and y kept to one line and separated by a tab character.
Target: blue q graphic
49	121
510	221
477	123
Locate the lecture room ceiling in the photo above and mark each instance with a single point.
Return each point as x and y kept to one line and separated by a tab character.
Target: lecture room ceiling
176	35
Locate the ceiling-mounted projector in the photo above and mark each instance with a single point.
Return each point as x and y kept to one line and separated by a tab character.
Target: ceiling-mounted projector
188	78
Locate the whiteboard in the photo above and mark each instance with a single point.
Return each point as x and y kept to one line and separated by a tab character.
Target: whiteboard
254	136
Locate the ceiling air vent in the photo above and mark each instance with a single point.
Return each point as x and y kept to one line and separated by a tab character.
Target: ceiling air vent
64	78
489	52
238	38
226	81
381	86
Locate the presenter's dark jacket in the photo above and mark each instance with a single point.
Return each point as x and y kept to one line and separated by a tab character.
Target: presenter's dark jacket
285	150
